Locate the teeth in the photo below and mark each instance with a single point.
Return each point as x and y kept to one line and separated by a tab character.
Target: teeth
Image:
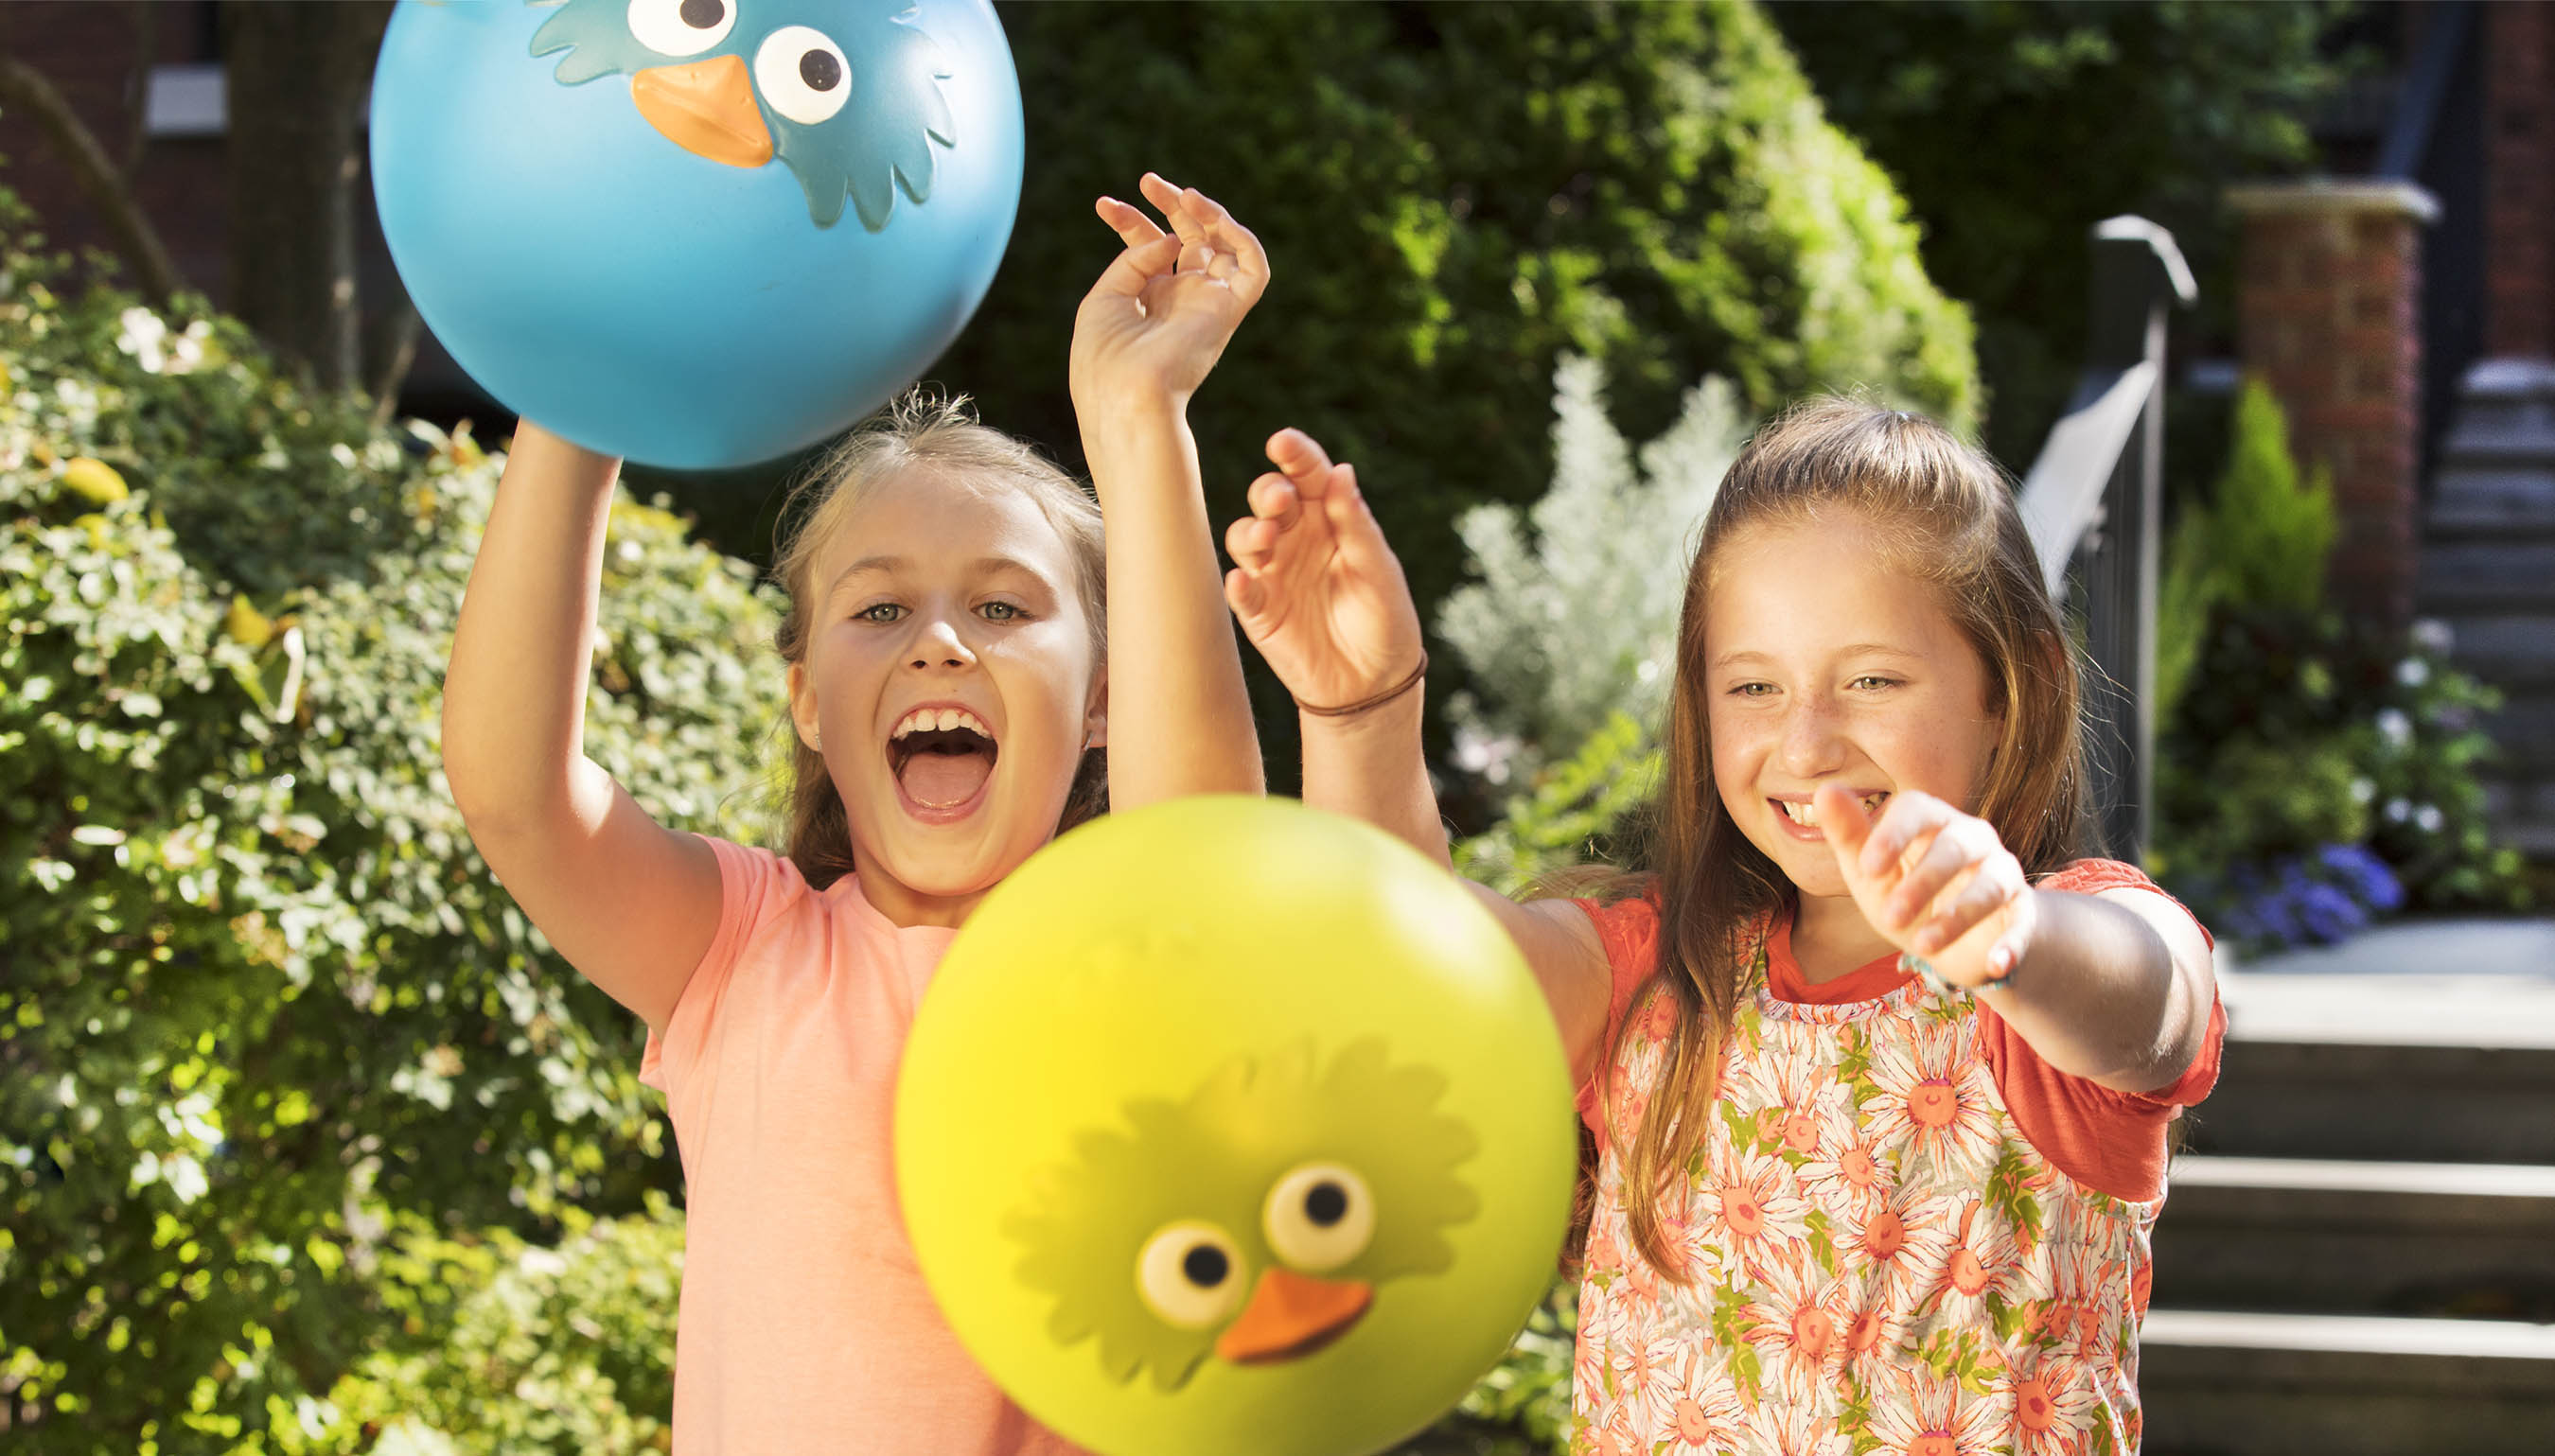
929	721
1807	816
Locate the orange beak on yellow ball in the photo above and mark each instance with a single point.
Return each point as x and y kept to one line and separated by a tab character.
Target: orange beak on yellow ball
1292	1316
706	108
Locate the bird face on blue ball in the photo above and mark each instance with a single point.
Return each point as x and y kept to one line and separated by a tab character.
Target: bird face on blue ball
845	94
1254	1221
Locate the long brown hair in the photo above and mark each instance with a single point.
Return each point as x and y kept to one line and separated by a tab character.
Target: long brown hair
924	430
1954	524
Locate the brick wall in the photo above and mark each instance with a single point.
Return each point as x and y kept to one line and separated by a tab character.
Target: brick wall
2519	172
2327	313
91	50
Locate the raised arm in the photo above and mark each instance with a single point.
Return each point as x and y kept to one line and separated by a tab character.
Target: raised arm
1321	593
631	904
1144	338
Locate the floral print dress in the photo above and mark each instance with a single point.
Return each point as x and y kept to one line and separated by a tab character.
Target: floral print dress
1880	1260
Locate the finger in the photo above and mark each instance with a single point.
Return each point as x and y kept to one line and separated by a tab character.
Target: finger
1127	220
1173	201
1907	816
1249	269
1842	822
1129	272
1967	903
1243	593
1304	460
1250	541
1362	546
1272	497
2022	922
1958	848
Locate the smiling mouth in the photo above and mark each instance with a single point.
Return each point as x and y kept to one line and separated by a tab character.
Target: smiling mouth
1807	815
941	758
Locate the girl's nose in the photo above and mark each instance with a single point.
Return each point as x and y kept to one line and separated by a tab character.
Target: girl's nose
1812	744
937	643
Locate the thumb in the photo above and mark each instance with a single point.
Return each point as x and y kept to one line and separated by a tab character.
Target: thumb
1845	826
1127	273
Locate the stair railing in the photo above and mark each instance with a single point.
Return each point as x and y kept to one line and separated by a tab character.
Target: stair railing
2094	504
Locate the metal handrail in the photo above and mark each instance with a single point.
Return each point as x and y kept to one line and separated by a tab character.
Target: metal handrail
2093	502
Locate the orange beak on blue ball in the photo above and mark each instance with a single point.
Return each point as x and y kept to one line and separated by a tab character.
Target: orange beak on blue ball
706	108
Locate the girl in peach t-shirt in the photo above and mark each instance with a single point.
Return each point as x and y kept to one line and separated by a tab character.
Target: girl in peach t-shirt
948	674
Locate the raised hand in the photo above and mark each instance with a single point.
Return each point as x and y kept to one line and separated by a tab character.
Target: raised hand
1939	883
1315	586
1163	312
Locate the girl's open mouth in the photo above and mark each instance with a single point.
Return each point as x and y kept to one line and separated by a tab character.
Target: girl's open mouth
1801	818
942	759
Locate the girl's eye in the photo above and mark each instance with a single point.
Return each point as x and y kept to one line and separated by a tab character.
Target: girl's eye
1001	612
1874	680
1751	689
879	612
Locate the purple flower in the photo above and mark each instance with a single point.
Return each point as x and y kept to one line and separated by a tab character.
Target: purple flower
2363	875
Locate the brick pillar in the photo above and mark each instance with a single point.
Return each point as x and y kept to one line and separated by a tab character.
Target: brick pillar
2328	314
2520	190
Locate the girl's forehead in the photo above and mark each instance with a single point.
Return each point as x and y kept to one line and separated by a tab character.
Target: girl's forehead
1841	576
925	516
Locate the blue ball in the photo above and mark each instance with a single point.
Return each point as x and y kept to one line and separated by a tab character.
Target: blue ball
696	233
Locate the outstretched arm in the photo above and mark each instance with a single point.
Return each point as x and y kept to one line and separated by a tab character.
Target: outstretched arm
631	904
1145	339
2114	987
1319	592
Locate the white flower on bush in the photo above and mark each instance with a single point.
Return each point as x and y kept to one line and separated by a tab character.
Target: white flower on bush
2413	672
2395	728
2428	819
144	335
2433	636
2398	810
1582	622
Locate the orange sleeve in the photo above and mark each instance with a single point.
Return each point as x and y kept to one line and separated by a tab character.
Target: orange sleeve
2113	1142
1629	931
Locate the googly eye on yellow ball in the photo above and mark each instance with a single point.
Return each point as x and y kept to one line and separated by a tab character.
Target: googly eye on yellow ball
1231	1126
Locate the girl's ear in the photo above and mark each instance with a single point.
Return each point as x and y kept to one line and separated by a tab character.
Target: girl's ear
802	708
1095	718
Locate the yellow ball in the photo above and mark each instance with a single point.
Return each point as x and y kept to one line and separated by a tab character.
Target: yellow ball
1230	1126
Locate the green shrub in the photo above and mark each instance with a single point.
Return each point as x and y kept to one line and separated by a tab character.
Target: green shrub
264	1007
2311	770
1454	195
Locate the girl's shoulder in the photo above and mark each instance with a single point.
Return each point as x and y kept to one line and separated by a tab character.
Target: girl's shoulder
2095	876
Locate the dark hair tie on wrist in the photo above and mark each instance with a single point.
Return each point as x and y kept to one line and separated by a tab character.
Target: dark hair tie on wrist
1377	700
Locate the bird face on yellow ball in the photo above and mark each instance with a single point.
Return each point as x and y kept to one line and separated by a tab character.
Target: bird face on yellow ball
1255	1221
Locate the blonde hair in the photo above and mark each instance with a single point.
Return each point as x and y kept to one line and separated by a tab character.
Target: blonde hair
921	430
1954	523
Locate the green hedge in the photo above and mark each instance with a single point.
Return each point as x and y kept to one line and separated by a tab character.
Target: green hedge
264	1011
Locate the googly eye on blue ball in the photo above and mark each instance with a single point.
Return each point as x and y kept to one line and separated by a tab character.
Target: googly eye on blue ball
695	233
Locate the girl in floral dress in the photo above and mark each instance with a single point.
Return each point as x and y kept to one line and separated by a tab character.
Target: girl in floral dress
1878	1065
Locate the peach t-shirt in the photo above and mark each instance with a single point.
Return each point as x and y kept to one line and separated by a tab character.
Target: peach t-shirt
805	1327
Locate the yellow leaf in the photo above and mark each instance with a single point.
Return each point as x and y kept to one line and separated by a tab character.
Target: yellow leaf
245	624
94	481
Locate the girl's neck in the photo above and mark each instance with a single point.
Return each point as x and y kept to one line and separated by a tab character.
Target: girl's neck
907	907
1831	937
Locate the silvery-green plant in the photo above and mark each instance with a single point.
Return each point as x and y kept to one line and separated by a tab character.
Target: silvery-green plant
1574	616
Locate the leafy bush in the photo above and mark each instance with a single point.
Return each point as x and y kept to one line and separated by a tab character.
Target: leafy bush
1574	617
567	1350
264	1013
2314	771
1455	196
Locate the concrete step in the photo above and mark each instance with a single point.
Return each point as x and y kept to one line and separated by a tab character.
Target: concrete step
2490	494
2508	650
2419	1041
2301	1235
2234	1383
2501	576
